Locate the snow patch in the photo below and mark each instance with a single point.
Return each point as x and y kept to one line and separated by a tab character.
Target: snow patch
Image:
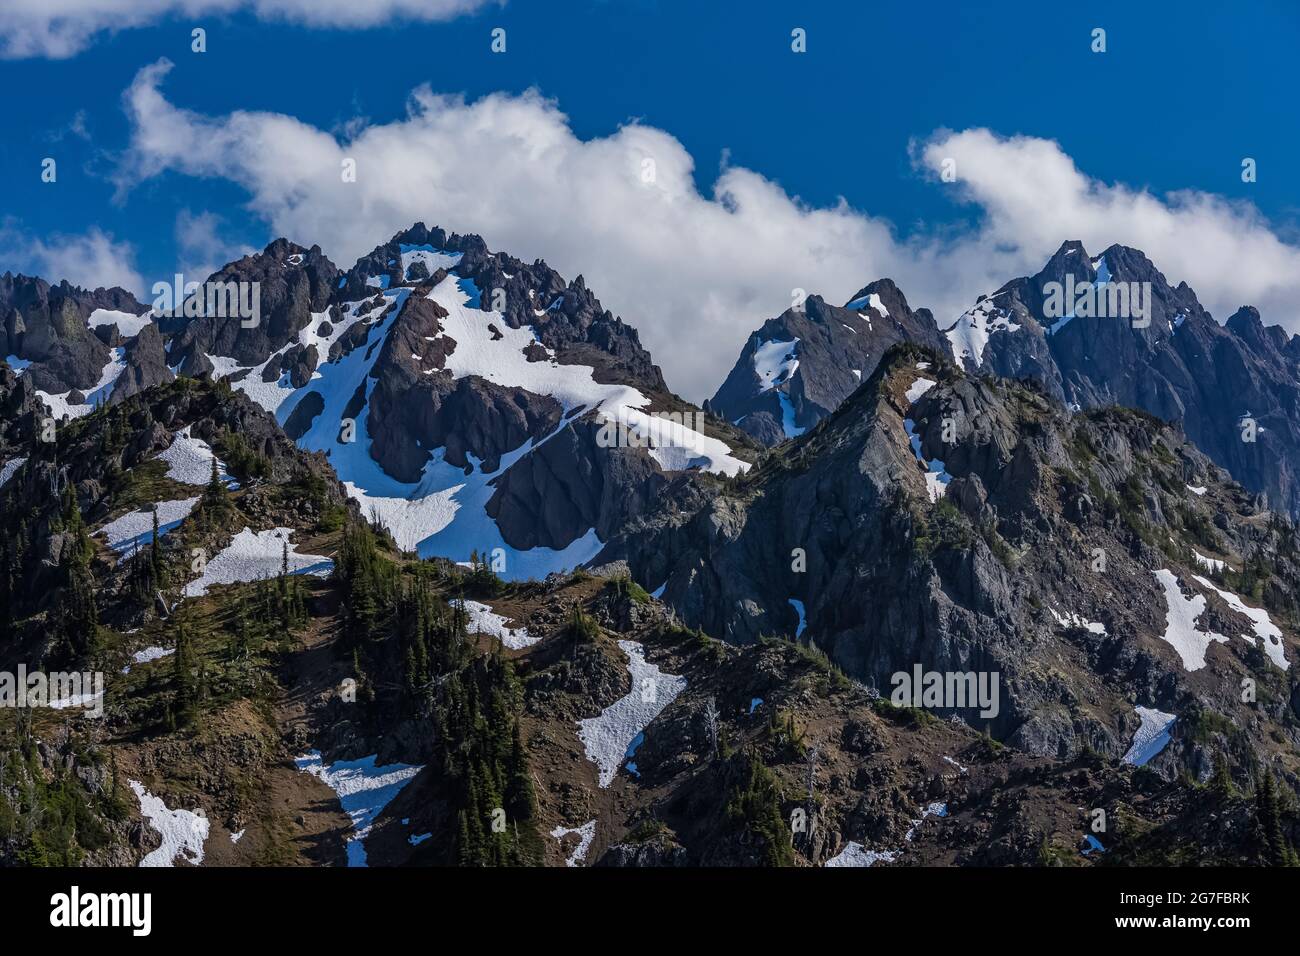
128	324
363	790
97	395
183	831
869	301
147	655
1069	619
936	477
483	621
253	556
586	833
1180	623
189	460
970	333
1260	622
10	468
1151	736
775	363
803	617
433	259
918	388
854	854
128	533
1213	564
607	737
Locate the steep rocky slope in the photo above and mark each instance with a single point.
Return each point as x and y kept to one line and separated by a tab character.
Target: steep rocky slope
300	566
572	722
474	402
797	368
1234	387
74	344
1096	562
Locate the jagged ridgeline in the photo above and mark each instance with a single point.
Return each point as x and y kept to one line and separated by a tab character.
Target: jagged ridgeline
308	548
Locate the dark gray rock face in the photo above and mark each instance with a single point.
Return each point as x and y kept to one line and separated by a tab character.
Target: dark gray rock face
1179	363
567	317
836	349
416	405
554	495
20	410
994	574
294	282
46	326
146	364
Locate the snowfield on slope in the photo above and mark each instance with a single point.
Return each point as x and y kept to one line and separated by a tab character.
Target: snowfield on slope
1181	631
147	655
1260	622
1151	736
970	333
936	477
254	556
918	388
135	528
444	512
183	831
97	394
10	468
483	621
1069	619
363	790
855	854
775	363
189	460
128	323
872	301
608	736
585	833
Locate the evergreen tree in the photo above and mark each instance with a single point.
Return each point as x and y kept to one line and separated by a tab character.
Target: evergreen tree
184	696
1268	819
1221	782
215	504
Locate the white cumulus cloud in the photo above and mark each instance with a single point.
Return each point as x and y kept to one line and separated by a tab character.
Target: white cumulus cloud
63	28
201	247
694	272
90	259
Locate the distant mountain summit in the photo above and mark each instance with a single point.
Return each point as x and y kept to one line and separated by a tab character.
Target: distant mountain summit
1234	387
1093	330
797	368
474	402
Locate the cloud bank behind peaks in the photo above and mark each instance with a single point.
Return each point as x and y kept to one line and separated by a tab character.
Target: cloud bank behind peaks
90	259
63	28
694	272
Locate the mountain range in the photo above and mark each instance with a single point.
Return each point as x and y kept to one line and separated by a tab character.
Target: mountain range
427	544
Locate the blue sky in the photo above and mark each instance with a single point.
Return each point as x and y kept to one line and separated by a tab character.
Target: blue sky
1183	93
